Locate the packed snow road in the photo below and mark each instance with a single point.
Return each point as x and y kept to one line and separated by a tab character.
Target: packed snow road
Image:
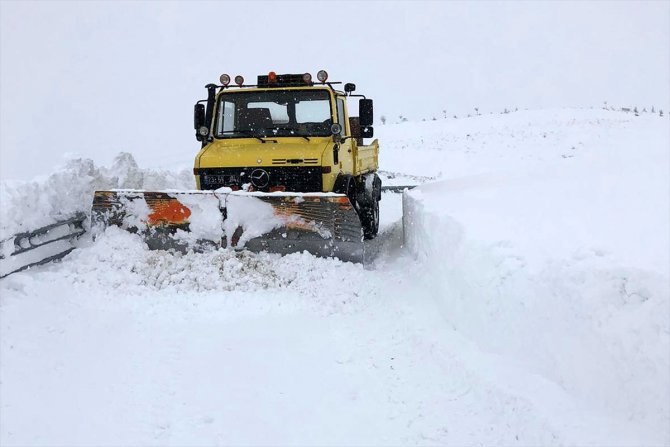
525	302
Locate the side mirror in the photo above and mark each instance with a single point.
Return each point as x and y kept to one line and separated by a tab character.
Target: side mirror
365	112
198	116
349	87
367	132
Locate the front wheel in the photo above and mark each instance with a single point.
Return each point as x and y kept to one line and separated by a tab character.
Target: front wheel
370	220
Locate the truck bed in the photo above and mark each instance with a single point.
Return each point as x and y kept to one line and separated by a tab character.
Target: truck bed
367	158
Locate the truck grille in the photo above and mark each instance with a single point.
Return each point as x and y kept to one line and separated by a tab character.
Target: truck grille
295	161
293	178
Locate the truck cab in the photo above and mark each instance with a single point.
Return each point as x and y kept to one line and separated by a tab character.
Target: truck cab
287	133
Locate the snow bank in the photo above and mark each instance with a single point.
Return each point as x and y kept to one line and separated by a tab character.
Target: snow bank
28	205
566	272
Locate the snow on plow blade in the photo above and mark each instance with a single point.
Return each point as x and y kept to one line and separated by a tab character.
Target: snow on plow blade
323	224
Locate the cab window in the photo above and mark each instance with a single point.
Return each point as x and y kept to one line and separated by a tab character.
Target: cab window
224	123
273	113
340	114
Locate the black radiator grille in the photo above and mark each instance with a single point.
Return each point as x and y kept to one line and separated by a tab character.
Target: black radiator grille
293	178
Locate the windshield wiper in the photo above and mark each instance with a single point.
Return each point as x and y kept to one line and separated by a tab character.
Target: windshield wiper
247	133
289	129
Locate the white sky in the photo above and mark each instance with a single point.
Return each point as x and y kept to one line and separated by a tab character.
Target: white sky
98	78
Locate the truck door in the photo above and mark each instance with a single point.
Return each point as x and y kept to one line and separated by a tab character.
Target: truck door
346	147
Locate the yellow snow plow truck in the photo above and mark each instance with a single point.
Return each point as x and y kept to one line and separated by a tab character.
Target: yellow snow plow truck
283	168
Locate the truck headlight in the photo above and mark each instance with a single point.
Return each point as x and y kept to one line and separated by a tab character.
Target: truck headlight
336	129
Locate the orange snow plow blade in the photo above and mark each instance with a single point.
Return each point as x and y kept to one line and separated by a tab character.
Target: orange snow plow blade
325	225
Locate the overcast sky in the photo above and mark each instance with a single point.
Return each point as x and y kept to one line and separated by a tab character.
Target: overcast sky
96	78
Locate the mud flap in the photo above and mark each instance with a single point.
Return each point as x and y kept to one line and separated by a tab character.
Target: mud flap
325	225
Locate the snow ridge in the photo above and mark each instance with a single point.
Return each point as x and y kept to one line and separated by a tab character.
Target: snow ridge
26	206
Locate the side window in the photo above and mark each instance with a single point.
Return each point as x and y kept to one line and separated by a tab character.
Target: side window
340	114
225	121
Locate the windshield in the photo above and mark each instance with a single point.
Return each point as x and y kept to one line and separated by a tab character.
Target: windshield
273	113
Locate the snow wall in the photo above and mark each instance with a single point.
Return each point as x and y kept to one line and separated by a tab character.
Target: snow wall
599	333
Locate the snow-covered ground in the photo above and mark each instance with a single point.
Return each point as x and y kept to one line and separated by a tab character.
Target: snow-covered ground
525	301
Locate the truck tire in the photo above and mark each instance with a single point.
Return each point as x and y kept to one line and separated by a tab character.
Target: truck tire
369	196
368	211
370	220
345	184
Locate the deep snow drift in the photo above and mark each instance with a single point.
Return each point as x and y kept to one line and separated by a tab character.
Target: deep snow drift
529	304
